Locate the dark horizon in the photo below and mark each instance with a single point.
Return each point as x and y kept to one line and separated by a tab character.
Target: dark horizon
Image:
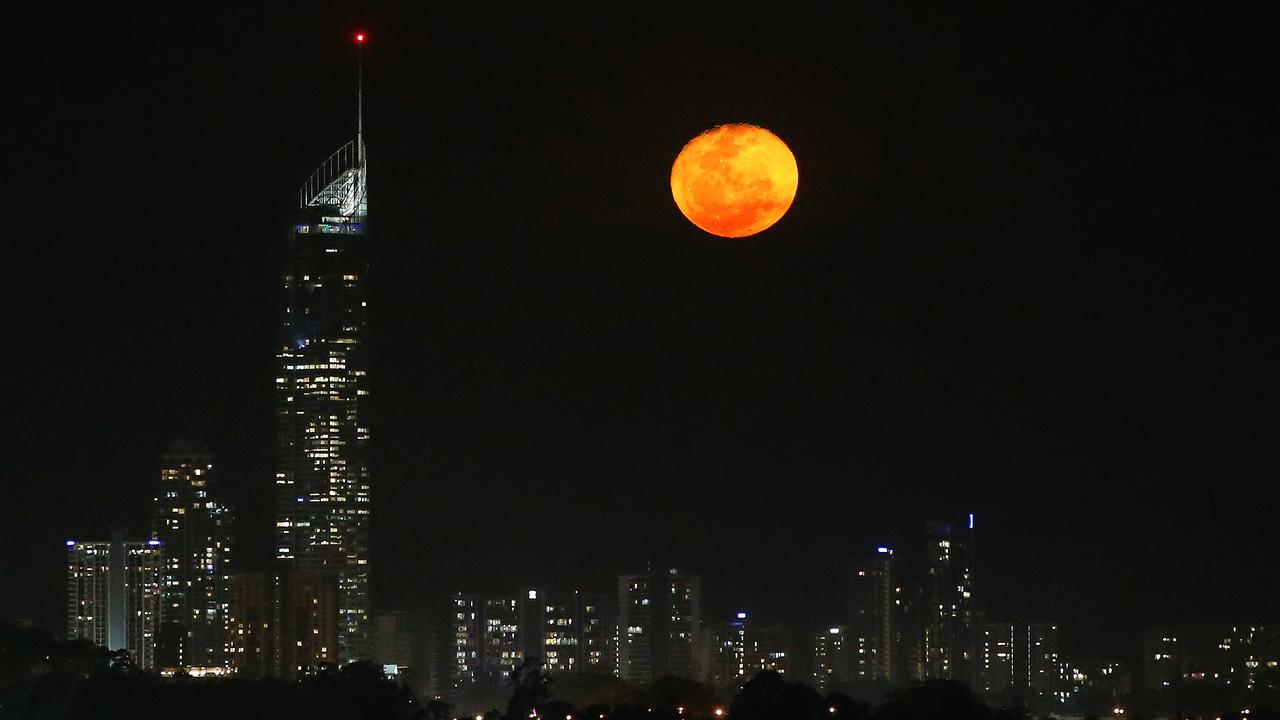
1024	276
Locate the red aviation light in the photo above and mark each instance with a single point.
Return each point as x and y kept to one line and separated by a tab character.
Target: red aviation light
360	36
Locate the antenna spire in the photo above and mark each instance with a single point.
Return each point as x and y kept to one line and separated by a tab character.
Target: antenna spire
360	37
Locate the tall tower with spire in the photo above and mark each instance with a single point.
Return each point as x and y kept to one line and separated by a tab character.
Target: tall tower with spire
322	477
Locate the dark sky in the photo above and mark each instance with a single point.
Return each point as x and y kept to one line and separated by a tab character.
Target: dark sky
1029	272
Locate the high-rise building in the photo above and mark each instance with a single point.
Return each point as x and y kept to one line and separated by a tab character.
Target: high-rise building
831	665
728	648
570	633
467	623
598	627
1162	658
950	620
659	625
1242	656
283	623
1022	658
576	633
321	385
1098	684
1044	667
504	639
771	647
999	658
113	594
194	527
492	634
739	648
874	594
393	645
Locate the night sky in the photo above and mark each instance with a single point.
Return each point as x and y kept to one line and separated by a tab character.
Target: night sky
1029	273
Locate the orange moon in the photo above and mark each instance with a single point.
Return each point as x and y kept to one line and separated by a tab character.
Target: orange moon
734	180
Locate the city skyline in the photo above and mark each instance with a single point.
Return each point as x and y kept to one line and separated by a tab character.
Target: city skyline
559	359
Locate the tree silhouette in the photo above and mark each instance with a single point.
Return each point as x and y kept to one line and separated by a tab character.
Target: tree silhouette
531	688
840	706
933	700
768	697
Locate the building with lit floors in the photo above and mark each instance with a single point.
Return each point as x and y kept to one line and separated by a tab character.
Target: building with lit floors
772	648
874	596
950	621
577	633
1224	656
283	623
999	658
1098	685
113	594
831	662
727	648
570	632
598	629
738	649
492	634
322	478
1022	660
659	625
194	528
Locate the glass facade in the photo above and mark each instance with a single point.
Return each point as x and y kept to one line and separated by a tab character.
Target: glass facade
322	435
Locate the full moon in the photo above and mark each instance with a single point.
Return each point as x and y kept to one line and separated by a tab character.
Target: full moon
734	180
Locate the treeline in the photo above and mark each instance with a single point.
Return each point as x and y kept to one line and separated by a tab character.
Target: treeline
41	678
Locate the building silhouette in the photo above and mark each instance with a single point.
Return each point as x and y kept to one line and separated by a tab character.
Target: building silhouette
729	651
950	621
194	528
393	645
659	625
322	478
283	623
1022	660
113	594
831	658
1237	656
875	595
569	632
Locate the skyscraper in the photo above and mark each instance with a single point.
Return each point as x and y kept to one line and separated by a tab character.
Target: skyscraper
728	651
1242	656
659	625
194	528
1023	659
873	609
576	633
950	614
282	622
113	594
492	634
322	431
999	658
831	658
